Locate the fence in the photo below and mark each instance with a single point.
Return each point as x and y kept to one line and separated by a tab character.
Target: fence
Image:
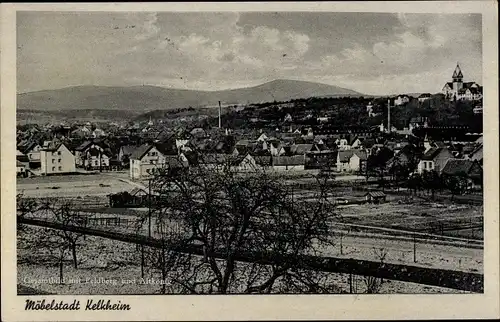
465	281
79	202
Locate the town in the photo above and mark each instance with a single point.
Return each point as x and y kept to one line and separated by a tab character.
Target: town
403	169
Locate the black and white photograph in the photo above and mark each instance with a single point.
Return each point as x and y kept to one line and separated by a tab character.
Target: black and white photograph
244	152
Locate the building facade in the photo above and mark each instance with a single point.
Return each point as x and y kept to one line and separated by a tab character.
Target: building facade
457	89
57	159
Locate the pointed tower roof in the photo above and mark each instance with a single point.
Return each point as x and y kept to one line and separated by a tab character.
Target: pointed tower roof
458	72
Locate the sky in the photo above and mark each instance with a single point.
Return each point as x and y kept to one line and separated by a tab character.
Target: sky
372	53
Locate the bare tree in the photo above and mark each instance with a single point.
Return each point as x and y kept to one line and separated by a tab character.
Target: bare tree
372	284
227	213
66	214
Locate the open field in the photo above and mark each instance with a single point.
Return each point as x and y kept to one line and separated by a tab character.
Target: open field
71	186
430	217
105	265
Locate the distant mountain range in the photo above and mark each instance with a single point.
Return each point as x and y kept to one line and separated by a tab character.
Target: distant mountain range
148	98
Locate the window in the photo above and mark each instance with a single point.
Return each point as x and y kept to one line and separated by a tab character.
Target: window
425	164
53	160
59	161
58	152
53	168
60	168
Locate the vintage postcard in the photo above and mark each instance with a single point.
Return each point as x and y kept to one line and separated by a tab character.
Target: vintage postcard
220	161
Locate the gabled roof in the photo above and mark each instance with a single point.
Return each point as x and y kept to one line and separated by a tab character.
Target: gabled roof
140	151
458	166
431	153
301	148
128	149
361	154
53	146
288	160
84	146
137	191
95	152
173	161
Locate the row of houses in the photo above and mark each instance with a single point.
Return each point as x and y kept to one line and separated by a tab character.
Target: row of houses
341	152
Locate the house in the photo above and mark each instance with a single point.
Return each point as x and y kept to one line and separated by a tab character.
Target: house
32	151
418	122
263	137
97	159
288	163
81	152
401	100
351	160
302	149
375	197
424	97
434	159
146	159
325	160
276	148
124	154
56	158
21	169
477	154
253	163
471	170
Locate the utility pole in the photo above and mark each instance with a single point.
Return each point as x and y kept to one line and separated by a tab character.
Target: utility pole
388	115
220	112
341	246
414	249
149	208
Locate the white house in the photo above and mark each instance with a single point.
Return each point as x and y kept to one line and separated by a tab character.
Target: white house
144	160
434	159
351	160
56	158
401	100
96	159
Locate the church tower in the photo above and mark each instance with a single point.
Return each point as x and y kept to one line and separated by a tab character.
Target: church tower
457	80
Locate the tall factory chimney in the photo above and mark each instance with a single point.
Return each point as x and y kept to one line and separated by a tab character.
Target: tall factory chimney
388	115
220	112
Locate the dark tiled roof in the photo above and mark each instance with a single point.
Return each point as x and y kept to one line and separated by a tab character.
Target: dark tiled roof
128	149
84	146
361	154
431	153
300	148
140	151
457	166
288	160
263	160
345	155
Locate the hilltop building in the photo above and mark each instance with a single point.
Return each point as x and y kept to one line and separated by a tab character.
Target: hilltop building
458	90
